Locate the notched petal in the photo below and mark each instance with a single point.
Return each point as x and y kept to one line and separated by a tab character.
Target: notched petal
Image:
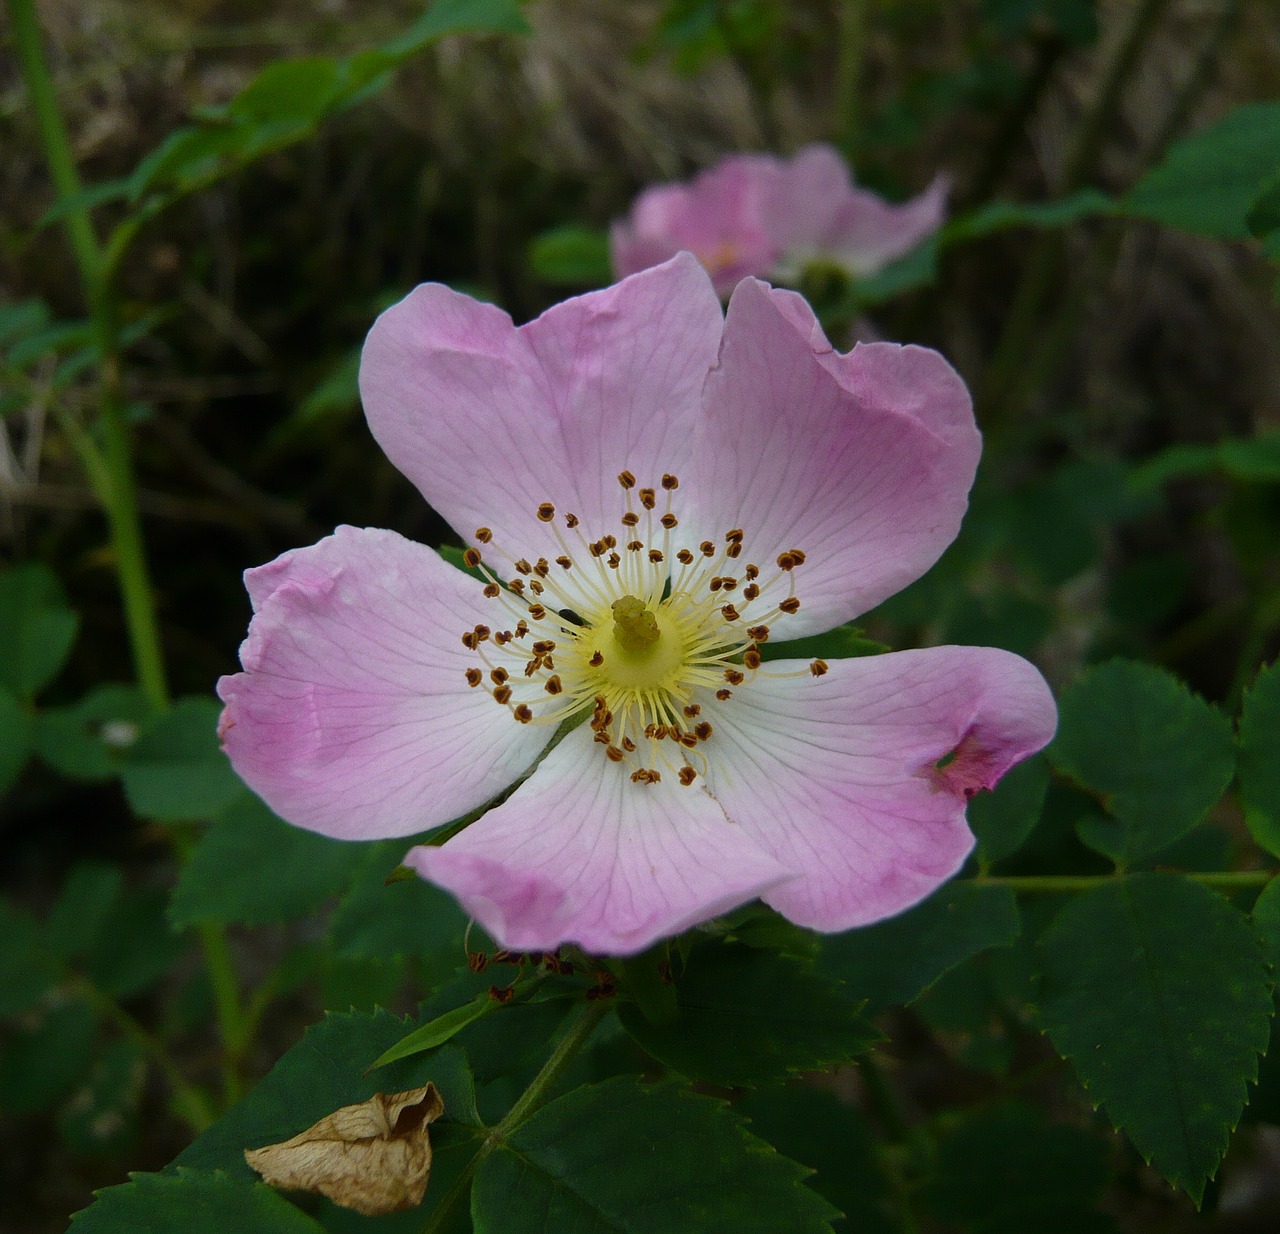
374	1157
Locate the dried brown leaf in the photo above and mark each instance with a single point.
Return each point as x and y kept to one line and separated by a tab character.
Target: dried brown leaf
374	1157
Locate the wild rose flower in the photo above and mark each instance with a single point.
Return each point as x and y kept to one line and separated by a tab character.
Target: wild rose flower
654	491
761	215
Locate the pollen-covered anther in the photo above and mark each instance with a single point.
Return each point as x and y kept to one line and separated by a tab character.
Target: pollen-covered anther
670	482
707	548
818	668
646	775
564	563
626	479
752	572
686	775
471	558
702	730
750	592
597	659
537	612
635	546
523	567
669	521
546	512
751	658
655	556
502	694
724	695
492	590
571	521
499	676
648	498
484	535
523	713
790	605
474	676
734	677
630	519
730	613
554	685
684	557
692	709
613	754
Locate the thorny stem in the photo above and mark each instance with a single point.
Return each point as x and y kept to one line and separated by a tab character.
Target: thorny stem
575	1037
120	496
1064	884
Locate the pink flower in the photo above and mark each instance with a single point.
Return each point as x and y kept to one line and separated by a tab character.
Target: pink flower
656	490
757	214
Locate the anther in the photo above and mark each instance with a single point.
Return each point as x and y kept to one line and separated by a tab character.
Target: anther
730	613
564	562
724	695
818	667
542	567
669	521
734	536
571	521
759	633
715	584
752	572
707	549
790	605
702	731
750	592
634	546
751	658
546	512
469	641
482	633
787	561
797	556
628	745
614	561
669	482
492	590
536	587
688	740
626	479
523	567
630	518
648	498
516	585
692	710
499	676
471	558
484	535
684	557
543	646
474	676
537	612
655	555
687	775
646	775
596	660
523	713
502	695
553	685
613	754
734	550
733	677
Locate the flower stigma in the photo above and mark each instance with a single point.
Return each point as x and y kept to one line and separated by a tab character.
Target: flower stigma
640	633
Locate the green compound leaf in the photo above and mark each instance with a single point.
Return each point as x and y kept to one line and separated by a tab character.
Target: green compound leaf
617	1158
1004	817
176	771
193	1202
895	961
252	868
1158	755
37	629
1260	759
1156	990
1007	1169
1208	181
831	1137
747	1017
15	739
327	1069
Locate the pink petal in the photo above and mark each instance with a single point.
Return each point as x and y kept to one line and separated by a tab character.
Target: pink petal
353	716
489	421
803	203
863	460
870	232
837	776
717	217
581	854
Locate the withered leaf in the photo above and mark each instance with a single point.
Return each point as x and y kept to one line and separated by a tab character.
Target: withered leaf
374	1157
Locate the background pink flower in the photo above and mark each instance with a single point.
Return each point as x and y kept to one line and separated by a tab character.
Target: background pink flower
657	491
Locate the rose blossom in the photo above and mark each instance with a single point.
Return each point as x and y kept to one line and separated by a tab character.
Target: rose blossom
653	490
758	214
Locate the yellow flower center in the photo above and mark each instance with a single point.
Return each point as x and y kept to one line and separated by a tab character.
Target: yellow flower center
636	633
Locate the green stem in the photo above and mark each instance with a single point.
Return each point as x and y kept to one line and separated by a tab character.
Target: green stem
233	1025
847	124
575	1037
189	1102
120	495
1062	884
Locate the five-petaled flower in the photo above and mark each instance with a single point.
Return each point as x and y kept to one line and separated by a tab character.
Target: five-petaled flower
762	215
652	492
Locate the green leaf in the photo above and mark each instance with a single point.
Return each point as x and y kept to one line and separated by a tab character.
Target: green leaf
135	947
176	770
571	257
843	642
1263	218
616	1158
37	629
87	198
193	1202
1158	755
831	1137
998	216
1007	1169
892	962
1004	817
83	909
252	868
288	92
1156	990
1208	181
91	739
15	739
459	17
326	1070
438	1030
42	1062
1251	458
1260	758
748	1017
1266	919
27	969
100	1117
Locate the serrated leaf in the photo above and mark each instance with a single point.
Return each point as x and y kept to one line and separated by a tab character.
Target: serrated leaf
1259	757
326	1070
1266	919
748	1017
617	1158
37	629
1208	181
1008	1169
1158	755
892	962
193	1202
831	1137
252	868
176	771
15	739
1004	817
1156	990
